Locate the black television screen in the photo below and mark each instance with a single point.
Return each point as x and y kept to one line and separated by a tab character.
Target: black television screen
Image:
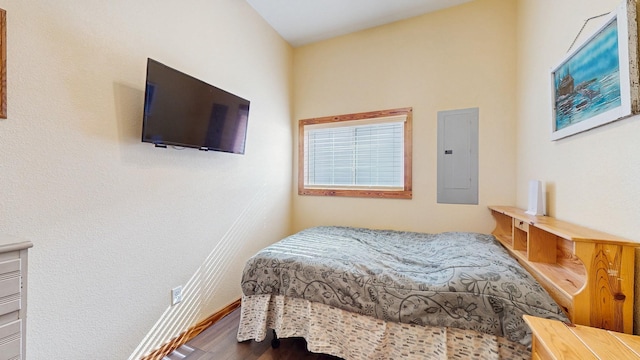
181	110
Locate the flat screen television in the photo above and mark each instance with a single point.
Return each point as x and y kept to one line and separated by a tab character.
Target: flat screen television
180	110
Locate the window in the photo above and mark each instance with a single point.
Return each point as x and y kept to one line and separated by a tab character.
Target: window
363	155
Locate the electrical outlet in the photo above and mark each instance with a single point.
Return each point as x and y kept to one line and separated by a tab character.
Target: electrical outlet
176	295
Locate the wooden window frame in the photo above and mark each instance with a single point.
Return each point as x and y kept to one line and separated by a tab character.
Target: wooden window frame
405	193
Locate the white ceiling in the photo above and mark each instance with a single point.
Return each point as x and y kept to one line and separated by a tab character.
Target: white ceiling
302	22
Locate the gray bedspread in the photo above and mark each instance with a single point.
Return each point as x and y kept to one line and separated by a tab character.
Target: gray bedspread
461	280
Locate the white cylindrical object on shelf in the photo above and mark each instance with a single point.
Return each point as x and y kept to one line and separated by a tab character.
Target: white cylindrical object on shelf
536	202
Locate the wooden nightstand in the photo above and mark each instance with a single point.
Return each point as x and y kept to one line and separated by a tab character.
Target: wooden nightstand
553	339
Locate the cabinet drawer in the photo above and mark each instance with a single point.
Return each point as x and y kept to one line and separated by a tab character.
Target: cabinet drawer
522	225
10	304
9	286
9	266
10	340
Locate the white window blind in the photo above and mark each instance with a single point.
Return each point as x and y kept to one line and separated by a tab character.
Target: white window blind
355	154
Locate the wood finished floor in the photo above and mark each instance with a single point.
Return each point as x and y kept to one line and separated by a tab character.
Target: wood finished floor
219	342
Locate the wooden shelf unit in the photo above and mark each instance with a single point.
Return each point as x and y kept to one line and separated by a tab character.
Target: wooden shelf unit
589	273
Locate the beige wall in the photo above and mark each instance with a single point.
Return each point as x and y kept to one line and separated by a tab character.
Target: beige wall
453	59
592	177
117	223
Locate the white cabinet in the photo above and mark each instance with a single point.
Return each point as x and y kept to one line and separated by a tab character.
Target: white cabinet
13	297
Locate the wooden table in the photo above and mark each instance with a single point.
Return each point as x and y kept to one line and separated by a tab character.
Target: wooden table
553	339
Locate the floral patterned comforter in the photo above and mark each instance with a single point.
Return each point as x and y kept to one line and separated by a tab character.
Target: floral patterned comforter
461	280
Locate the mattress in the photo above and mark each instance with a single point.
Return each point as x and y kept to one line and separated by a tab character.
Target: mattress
448	280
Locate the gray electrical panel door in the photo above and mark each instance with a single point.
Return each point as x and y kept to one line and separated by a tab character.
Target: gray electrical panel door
458	156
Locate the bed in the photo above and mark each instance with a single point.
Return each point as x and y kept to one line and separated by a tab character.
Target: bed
380	294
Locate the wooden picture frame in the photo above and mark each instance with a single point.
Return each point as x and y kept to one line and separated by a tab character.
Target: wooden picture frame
597	82
3	64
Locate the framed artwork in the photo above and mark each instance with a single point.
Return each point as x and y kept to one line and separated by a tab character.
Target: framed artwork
3	64
597	82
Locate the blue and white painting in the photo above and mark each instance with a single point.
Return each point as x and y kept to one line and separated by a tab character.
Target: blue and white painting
588	84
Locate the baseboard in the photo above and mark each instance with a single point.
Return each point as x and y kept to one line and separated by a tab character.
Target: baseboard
192	332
